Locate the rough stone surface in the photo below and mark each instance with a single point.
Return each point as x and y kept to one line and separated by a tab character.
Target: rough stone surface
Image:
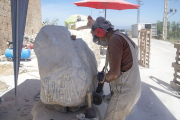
87	37
66	66
33	21
40	112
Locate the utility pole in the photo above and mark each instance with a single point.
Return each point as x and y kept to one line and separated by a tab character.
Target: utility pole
138	11
165	19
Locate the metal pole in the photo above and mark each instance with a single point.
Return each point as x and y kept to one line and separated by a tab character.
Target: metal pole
91	12
138	13
105	10
16	73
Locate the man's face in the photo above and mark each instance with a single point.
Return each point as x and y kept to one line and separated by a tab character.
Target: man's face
79	18
102	39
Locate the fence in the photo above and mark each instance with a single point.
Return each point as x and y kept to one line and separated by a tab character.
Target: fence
144	42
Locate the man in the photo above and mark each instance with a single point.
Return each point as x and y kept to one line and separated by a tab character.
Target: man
124	74
124	70
89	24
79	18
90	21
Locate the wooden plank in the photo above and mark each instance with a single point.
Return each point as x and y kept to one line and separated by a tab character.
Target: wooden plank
177	76
177	45
177	56
176	66
175	85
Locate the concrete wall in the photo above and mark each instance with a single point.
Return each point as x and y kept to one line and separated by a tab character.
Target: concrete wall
136	27
33	22
134	30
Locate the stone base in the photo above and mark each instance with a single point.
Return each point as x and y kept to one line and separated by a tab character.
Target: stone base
174	85
40	112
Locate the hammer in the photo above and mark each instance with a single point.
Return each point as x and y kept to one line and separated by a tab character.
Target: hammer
89	111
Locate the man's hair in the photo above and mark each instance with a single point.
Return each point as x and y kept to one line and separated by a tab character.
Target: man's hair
110	29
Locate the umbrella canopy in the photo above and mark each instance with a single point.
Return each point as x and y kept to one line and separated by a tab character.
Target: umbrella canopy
107	4
72	19
18	16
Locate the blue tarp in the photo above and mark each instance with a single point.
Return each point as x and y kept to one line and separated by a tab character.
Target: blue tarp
18	18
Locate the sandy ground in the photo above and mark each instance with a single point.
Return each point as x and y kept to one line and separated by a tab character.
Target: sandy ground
158	100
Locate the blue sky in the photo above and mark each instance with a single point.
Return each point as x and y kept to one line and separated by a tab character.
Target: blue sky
151	12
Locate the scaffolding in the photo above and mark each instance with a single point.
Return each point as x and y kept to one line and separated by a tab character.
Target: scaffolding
144	42
176	65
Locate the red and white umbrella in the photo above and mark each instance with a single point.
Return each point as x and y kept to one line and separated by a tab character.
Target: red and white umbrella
107	4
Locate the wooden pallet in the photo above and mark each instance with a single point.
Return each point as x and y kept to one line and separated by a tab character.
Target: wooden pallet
144	40
176	65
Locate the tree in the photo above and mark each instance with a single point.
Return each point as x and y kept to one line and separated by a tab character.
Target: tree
178	30
159	27
53	22
174	29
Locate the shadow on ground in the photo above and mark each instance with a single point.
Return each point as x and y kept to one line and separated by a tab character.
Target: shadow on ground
149	106
165	86
25	101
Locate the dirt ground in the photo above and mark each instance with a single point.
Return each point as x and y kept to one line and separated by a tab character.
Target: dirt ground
158	100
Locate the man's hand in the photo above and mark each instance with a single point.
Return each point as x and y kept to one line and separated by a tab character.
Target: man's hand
106	80
73	37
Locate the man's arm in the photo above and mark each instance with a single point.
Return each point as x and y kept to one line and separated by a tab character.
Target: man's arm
115	57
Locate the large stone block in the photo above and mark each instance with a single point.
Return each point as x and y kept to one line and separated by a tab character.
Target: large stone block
1	20
86	35
66	67
8	14
5	34
4	20
1	12
5	13
5	28
3	46
1	4
1	26
6	7
1	34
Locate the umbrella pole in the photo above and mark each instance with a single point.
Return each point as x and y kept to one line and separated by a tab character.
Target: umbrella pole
91	12
105	10
16	64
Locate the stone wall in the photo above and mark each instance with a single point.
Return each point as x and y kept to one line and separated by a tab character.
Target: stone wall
34	18
33	21
5	24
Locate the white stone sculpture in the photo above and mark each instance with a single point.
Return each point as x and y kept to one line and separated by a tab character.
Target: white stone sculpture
66	67
86	35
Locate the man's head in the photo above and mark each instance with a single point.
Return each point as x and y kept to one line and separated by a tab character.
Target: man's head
79	18
89	17
102	29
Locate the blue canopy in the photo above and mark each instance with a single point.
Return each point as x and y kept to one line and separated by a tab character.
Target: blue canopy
18	19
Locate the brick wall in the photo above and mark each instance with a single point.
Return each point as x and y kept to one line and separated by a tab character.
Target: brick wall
33	21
